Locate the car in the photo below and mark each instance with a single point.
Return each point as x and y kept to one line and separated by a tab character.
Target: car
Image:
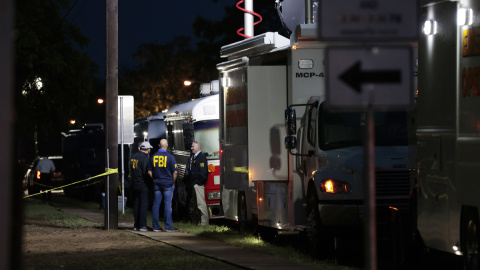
31	179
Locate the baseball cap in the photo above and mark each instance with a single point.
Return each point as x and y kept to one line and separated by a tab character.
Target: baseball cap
145	145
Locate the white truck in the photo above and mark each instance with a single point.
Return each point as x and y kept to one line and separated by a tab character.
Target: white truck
150	129
287	190
196	120
448	130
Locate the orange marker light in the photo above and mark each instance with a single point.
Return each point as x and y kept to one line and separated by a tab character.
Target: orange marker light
329	186
334	186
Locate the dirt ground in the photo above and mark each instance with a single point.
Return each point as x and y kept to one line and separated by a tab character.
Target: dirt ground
39	239
95	248
48	247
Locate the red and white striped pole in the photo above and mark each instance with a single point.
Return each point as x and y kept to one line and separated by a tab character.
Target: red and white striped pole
248	18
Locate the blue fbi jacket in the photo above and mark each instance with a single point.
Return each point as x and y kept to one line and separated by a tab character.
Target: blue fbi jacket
162	165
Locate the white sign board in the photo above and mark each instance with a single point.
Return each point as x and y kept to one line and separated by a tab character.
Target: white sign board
365	20
125	119
369	77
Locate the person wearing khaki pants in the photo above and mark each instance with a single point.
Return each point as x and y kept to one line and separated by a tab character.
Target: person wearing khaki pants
197	170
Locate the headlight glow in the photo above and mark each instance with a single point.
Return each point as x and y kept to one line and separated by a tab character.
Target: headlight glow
334	186
213	195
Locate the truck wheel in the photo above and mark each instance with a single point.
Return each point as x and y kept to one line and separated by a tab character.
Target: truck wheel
470	240
193	211
321	243
242	212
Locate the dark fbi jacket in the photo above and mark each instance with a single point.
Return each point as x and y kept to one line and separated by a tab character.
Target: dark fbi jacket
198	171
162	164
138	164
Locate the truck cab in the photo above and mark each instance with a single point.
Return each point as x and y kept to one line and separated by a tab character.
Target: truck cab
330	160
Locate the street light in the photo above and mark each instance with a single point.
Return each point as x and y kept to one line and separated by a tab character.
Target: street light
189	83
100	101
205	88
72	121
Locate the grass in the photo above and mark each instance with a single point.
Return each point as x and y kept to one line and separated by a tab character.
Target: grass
53	217
43	214
248	240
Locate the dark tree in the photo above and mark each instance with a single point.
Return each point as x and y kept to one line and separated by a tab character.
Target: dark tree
157	81
46	50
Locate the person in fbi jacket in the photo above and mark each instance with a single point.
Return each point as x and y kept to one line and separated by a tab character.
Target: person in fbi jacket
141	185
197	170
163	170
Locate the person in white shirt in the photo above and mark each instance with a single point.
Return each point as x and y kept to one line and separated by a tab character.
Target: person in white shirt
46	167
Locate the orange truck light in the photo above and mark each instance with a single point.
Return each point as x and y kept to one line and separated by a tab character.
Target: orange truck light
393	208
38	174
211	168
329	186
334	186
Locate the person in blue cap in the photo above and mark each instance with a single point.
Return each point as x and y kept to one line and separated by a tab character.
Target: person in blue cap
163	170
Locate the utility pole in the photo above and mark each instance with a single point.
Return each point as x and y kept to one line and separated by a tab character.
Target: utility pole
111	121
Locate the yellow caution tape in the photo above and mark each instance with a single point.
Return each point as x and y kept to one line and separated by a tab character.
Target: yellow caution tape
243	169
107	172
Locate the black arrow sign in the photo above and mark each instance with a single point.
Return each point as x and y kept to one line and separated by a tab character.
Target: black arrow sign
355	77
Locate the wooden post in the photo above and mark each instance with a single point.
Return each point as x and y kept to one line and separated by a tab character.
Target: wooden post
111	132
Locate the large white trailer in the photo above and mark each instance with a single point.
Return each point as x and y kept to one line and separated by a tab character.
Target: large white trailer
448	131
196	120
253	90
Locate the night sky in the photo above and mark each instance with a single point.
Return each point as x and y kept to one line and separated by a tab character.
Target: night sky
140	22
